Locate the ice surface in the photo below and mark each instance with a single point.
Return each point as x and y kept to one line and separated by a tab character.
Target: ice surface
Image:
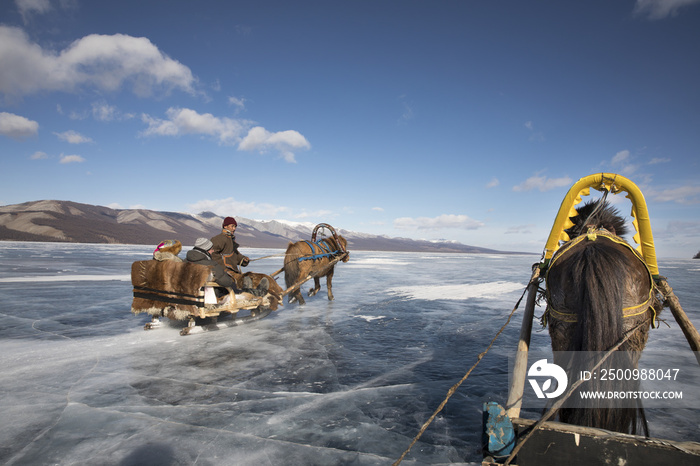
343	382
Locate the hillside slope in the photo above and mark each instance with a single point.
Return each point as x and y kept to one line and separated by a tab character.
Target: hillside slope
66	221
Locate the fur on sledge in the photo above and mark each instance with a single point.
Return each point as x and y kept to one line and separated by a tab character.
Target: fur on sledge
274	291
167	286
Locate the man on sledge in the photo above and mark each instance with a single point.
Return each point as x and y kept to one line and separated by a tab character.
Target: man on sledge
224	251
201	254
225	248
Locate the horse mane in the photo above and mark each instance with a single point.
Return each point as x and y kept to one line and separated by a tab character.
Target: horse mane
593	289
343	245
599	329
597	215
330	240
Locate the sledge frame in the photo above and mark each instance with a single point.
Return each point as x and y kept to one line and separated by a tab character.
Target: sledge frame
231	304
559	443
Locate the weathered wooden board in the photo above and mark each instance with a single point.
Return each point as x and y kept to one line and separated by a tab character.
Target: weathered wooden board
558	443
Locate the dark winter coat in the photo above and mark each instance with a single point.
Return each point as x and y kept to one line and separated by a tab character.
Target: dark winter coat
200	256
225	252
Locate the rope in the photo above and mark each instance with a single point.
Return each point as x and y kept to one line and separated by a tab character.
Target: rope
271	255
267	257
454	388
286	262
598	206
280	255
555	407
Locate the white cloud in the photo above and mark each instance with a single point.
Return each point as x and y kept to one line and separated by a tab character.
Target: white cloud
236	102
682	234
657	160
232	207
660	9
493	183
104	112
378	209
520	229
38	155
17	127
542	183
316	214
444	221
101	61
680	195
186	121
71	159
620	157
622	163
260	139
73	137
679	229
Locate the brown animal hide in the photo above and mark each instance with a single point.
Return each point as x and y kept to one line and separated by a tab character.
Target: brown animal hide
274	291
296	270
167	288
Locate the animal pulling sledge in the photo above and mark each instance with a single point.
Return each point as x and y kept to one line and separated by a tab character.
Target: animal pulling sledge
315	259
602	295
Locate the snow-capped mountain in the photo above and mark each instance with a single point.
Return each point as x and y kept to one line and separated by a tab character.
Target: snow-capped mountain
66	221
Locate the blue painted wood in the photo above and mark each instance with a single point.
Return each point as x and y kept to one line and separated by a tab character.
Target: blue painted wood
499	435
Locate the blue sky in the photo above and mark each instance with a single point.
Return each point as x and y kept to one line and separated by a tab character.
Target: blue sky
458	120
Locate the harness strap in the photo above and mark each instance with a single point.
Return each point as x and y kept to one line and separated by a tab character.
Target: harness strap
169	297
593	235
173	293
325	251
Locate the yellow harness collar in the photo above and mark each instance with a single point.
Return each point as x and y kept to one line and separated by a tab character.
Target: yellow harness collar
594	235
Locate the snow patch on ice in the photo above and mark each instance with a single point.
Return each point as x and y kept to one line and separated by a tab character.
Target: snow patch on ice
490	290
370	318
66	278
374	262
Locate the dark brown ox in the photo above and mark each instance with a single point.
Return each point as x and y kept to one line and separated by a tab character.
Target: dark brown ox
599	288
306	259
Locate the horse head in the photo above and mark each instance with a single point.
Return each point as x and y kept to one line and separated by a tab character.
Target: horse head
344	246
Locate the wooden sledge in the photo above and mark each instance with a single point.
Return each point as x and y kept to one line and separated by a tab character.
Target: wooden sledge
559	443
526	442
183	291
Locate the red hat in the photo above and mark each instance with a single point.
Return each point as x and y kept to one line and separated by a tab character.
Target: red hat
230	221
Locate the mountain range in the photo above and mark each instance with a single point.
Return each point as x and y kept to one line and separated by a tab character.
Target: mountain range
66	221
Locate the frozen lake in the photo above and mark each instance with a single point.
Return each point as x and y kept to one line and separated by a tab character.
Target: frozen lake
343	382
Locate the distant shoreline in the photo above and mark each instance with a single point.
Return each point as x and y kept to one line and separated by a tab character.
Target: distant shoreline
415	251
55	221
